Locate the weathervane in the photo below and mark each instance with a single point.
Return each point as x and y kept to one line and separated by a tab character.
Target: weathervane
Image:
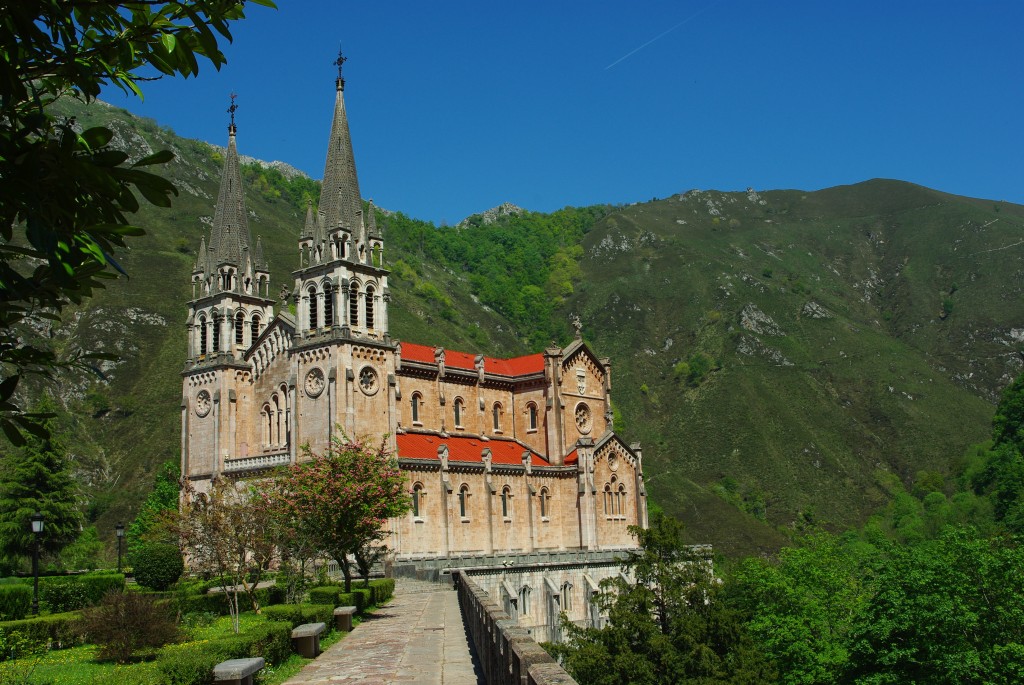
232	108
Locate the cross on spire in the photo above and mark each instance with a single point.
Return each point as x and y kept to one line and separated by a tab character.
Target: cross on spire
340	61
231	111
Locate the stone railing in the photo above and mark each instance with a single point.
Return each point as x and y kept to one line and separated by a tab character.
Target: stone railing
506	653
255	463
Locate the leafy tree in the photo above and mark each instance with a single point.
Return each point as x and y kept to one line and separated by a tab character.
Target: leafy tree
67	193
667	625
342	499
799	610
37	478
148	524
948	610
229	531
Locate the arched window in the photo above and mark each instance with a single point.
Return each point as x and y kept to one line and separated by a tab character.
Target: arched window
496	413
353	306
216	334
524	600
607	500
276	423
531	409
613	496
458	412
255	325
369	307
544	496
464	501
239	328
328	305
506	502
620	498
202	335
414	402
417	495
312	309
268	425
566	595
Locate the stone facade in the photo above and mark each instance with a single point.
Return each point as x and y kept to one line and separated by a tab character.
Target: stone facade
503	456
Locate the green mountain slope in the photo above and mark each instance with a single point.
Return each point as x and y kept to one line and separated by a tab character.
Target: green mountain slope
859	331
780	355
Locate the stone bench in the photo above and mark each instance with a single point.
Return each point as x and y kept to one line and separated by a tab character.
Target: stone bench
343	618
306	639
237	671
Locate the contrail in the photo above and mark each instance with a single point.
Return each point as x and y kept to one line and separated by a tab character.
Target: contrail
661	35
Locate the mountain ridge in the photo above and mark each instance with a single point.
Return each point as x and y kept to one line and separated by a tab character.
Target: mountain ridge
781	355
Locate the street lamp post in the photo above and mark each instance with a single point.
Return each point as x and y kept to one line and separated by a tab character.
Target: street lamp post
120	537
37	532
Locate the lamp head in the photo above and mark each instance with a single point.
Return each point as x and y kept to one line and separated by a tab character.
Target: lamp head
37	523
119	528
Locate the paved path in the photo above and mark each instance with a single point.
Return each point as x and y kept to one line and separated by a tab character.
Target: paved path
417	639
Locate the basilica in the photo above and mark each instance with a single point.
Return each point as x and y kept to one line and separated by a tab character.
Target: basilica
503	456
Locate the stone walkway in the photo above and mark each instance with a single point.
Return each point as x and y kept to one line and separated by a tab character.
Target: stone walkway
418	639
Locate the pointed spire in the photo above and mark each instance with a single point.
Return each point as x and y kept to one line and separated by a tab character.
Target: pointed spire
259	261
201	256
340	201
310	227
230	234
371	221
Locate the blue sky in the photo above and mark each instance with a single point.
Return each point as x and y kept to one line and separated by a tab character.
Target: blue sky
456	107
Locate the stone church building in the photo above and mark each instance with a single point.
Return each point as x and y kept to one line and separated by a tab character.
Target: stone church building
512	458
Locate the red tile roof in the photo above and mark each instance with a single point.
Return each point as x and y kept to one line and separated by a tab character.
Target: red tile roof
516	366
572	458
464	449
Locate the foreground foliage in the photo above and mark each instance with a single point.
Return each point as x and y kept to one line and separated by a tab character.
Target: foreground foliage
66	189
666	625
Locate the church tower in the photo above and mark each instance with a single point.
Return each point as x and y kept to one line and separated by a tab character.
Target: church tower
229	309
341	283
341	340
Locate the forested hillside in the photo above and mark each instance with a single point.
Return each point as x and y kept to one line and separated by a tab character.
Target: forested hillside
785	357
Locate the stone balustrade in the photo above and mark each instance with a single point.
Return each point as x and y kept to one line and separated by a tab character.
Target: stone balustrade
256	462
507	654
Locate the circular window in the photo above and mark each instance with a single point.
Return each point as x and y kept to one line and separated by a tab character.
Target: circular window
203	403
368	380
315	382
613	462
584	420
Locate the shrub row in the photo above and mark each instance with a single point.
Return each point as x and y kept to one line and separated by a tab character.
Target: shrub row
297	614
380	591
15	601
62	630
217	603
192	663
336	596
69	593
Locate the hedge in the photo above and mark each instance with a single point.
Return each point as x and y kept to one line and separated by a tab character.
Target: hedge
68	593
216	603
380	591
297	614
15	601
58	630
192	663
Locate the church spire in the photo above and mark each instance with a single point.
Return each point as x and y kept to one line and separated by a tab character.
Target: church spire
230	236
340	201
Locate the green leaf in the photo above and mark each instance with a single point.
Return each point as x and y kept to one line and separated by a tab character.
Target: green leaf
12	433
168	40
